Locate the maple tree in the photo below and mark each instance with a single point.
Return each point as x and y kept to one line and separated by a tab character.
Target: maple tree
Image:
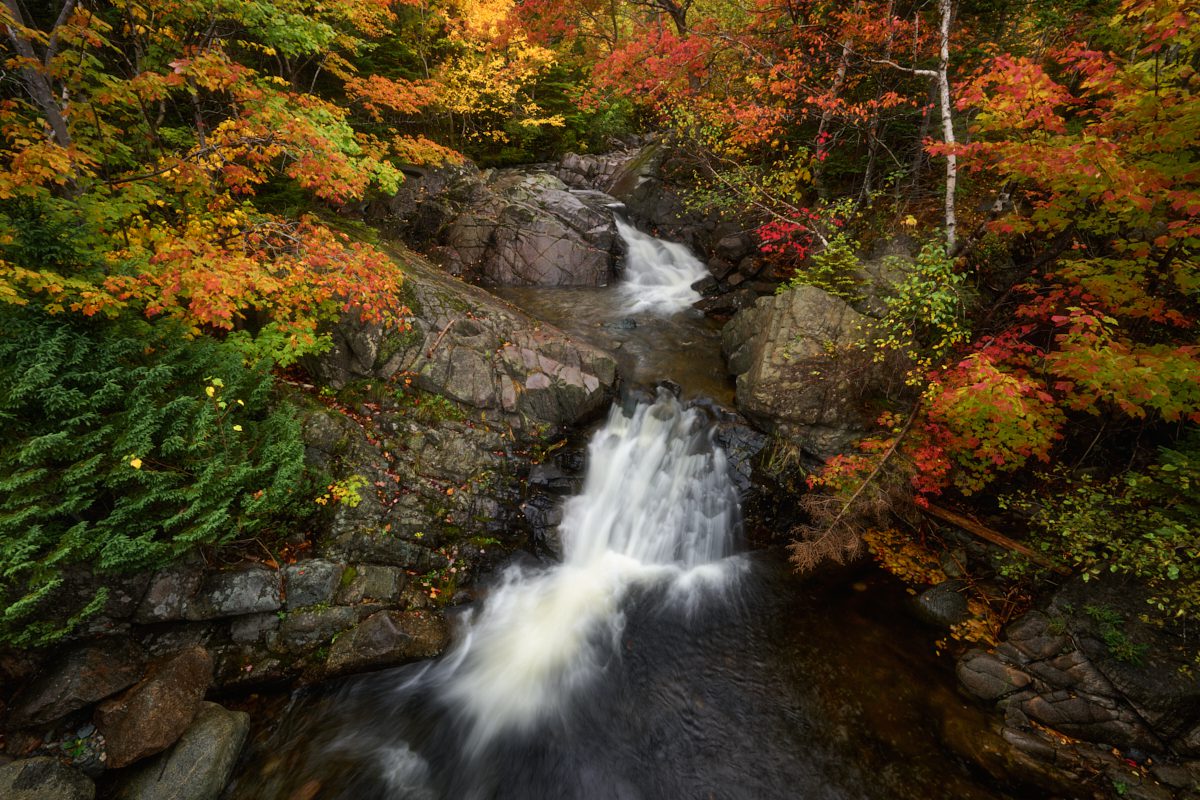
1097	147
148	128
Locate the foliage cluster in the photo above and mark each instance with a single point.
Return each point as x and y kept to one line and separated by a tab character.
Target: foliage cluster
1144	524
123	446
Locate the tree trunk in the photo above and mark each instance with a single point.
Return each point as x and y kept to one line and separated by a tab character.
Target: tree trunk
943	83
839	80
35	80
873	125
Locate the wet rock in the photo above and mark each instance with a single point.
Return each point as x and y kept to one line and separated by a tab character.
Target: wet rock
622	324
1088	717
988	678
544	513
151	715
170	590
741	444
953	562
708	286
43	778
198	766
729	303
245	666
733	247
387	638
943	605
801	372
1178	776
550	478
750	266
1038	636
230	594
373	582
311	582
304	629
1149	664
251	628
85	674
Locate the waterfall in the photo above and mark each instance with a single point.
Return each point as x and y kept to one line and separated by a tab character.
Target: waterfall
658	275
657	508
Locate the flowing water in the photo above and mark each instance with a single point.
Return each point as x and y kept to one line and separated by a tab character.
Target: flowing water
646	321
654	661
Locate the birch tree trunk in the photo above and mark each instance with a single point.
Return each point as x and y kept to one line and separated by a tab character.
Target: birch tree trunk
946	7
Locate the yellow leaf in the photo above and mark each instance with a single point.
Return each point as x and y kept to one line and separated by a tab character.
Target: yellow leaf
135	462
210	391
237	427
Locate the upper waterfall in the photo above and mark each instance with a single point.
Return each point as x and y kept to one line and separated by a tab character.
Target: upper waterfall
658	275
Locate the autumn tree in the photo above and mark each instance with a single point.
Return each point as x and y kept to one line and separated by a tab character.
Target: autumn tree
147	129
1092	335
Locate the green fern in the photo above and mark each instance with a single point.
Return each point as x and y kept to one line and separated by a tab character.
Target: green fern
124	446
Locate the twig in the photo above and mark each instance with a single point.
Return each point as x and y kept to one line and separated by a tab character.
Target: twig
438	340
993	536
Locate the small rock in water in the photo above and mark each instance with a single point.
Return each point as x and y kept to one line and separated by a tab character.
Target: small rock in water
626	324
670	385
943	605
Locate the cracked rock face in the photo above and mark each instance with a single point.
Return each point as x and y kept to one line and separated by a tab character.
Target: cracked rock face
476	349
511	228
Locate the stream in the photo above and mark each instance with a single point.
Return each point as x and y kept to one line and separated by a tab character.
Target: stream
659	658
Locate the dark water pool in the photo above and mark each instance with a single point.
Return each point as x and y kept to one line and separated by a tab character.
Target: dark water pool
792	690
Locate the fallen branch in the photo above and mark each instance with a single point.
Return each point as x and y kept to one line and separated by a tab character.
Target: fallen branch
993	536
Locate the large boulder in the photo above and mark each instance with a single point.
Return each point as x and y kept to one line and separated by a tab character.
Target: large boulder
474	348
801	370
198	766
1149	663
594	170
508	227
311	582
248	590
85	674
150	716
543	234
43	778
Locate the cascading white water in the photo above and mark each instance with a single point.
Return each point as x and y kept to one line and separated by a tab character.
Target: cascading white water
657	507
658	275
